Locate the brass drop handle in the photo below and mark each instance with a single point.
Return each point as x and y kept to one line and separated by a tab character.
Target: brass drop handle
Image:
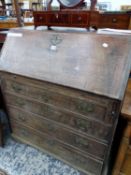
81	124
17	88
79	18
114	20
45	97
81	141
40	17
85	107
20	102
57	16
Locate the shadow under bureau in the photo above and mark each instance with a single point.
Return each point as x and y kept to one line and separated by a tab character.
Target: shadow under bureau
62	96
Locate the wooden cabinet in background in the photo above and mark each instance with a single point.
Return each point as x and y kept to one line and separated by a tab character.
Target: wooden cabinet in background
114	20
82	18
66	18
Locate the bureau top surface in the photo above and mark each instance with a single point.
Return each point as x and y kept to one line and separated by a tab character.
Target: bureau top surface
95	63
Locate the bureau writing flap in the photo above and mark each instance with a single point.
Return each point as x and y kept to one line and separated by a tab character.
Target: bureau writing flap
95	63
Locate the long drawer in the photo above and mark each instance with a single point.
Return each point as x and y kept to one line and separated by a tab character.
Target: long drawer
84	163
118	21
80	142
82	106
92	108
82	125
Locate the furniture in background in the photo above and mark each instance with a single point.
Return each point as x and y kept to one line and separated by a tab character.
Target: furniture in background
65	18
7	24
70	14
58	106
130	24
123	161
115	20
82	18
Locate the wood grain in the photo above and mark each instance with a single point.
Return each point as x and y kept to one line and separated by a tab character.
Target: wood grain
126	108
77	66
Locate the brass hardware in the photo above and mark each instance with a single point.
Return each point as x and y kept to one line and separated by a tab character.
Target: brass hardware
82	124
81	141
20	103
86	107
45	97
16	87
79	18
114	20
40	17
57	16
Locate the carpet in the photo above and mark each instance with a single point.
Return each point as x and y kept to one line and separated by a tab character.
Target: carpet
22	159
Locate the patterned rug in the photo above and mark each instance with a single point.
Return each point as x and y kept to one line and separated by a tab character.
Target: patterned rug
21	159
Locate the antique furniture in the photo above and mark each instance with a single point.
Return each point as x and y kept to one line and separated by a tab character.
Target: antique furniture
115	20
64	98
123	161
71	14
82	18
65	18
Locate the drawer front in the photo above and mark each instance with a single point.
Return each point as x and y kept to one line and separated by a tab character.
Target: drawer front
115	21
70	156
40	18
80	19
64	135
82	125
57	18
81	106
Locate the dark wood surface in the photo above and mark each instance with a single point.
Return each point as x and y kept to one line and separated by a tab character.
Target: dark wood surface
126	108
66	18
2	37
83	18
93	70
114	20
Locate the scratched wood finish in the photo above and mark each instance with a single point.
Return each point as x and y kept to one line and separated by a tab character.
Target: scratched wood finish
68	97
55	111
64	152
77	66
67	137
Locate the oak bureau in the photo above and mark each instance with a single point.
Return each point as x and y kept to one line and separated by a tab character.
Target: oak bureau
63	93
